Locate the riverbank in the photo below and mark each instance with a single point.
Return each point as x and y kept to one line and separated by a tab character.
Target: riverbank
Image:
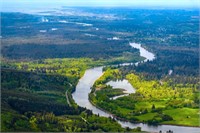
141	109
82	99
138	122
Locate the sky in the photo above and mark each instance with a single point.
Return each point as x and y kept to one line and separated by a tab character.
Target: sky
133	3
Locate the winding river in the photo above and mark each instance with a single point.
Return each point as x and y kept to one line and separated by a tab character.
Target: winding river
81	97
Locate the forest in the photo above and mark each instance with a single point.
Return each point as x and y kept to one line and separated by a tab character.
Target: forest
44	56
34	97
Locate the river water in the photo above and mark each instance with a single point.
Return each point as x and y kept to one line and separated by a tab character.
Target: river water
81	97
122	84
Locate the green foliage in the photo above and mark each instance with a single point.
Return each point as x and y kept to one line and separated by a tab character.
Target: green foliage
159	118
48	122
154	90
153	107
11	121
148	104
109	74
33	97
43	87
110	92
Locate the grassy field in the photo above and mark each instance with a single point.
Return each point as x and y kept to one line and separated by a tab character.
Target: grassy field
184	116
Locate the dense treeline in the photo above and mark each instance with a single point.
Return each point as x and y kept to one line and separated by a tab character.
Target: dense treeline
111	49
25	91
182	66
34	97
48	122
36	102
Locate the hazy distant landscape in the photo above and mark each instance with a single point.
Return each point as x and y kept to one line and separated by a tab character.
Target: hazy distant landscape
47	54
